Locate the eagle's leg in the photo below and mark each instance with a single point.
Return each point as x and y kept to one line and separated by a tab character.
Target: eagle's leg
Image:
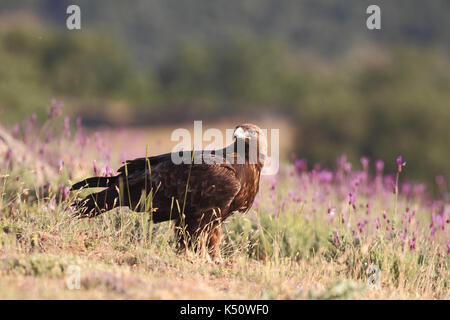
214	239
207	239
184	232
210	233
203	234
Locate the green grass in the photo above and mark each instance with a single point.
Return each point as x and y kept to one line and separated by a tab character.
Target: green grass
291	256
287	246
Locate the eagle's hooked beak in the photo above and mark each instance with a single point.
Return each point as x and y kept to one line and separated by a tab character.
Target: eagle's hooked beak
240	133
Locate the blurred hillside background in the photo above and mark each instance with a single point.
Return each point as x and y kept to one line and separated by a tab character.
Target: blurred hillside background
341	87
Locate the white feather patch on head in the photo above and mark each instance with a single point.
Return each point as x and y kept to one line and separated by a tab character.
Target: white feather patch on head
240	133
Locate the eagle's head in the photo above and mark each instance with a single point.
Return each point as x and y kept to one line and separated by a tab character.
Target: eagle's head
253	137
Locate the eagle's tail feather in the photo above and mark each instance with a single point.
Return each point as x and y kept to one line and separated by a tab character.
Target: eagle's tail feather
97	203
94	182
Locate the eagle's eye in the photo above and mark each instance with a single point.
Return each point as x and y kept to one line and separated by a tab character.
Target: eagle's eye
252	132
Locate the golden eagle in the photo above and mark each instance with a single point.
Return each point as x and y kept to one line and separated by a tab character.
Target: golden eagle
208	188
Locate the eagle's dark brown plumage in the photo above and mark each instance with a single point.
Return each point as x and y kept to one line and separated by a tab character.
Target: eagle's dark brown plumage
215	188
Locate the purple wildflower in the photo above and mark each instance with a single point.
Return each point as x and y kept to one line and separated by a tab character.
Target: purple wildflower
317	166
294	197
276	212
400	163
79	120
406	189
379	166
365	163
361	224
8	155
273	185
16	130
412	243
66	192
94	163
301	165
108	171
377	223
403	237
369	207
348	167
336	239
63	192
341	161
55	108
61	166
389	182
352	200
67	127
419	190
440	180
438	221
325	176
